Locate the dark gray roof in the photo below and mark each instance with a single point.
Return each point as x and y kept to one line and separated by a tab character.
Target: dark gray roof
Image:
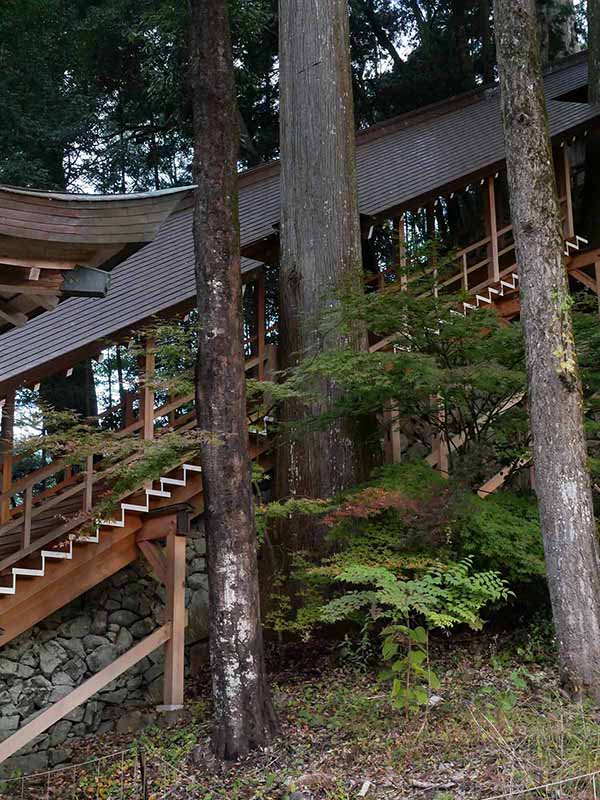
399	162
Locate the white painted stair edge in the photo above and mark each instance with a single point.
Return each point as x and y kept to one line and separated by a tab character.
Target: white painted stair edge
95	538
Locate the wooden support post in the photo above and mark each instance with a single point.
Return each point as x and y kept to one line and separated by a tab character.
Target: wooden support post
394	445
27	511
6	451
431	238
260	322
493	229
439	444
402	252
147	401
175	520
89	484
566	170
175	650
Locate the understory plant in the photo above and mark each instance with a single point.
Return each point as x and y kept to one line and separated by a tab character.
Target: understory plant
444	596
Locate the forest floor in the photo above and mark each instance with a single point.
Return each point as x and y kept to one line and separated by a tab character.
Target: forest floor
499	724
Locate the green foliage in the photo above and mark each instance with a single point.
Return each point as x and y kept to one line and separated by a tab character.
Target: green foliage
443	597
503	532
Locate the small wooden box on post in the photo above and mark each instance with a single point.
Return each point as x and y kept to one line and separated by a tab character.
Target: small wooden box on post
172	524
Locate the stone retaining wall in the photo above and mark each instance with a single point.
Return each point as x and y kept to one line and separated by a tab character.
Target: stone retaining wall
46	663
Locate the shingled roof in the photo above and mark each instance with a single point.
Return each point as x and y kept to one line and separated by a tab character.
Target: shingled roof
53	244
399	163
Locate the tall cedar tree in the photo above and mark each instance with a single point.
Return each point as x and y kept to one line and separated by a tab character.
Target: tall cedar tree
554	386
320	229
244	715
593	17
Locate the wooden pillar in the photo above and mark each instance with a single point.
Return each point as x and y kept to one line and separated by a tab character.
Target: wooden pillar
431	238
402	251
6	451
260	322
566	170
393	442
492	229
175	649
439	445
147	399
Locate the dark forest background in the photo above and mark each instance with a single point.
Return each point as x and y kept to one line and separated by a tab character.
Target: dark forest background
94	93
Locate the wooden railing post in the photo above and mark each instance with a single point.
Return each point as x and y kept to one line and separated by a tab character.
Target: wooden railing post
260	296
402	252
492	226
6	452
27	511
566	170
89	484
439	444
175	586
147	399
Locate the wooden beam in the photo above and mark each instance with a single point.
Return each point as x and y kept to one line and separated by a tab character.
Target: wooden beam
147	391
15	318
570	225
88	689
155	556
493	229
175	651
157	528
586	280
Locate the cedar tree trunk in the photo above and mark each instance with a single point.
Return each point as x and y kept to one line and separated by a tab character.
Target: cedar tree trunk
554	387
320	232
244	716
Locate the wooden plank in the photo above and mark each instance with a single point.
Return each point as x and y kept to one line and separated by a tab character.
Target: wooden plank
175	651
158	527
147	392
87	689
493	228
570	224
155	557
8	313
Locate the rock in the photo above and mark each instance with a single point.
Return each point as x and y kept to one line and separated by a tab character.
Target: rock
93	641
142	628
34	762
124	640
60	732
62	679
123	618
76	628
74	646
198	581
75	669
99	623
129	723
114	698
8	667
102	657
8	724
60	756
52	655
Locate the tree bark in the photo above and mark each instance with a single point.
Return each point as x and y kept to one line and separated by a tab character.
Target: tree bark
244	715
555	398
558	38
320	232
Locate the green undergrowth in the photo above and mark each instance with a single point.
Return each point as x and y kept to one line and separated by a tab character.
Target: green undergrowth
409	521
